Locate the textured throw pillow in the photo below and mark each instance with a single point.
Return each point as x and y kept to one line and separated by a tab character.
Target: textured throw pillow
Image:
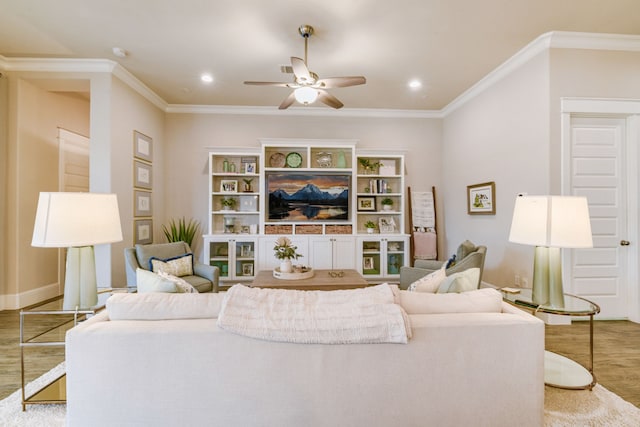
461	282
147	281
430	282
182	286
179	266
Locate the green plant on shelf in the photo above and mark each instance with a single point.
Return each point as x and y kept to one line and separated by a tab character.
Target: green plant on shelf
368	165
387	201
228	202
370	224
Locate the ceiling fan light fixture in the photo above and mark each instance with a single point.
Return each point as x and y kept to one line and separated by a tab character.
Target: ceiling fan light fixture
306	95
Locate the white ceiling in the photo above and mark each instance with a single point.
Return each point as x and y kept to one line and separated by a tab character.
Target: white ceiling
447	44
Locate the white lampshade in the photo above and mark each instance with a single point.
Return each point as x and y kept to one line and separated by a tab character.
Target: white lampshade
552	221
306	95
66	220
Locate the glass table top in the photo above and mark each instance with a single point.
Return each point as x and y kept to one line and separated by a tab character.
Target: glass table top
573	305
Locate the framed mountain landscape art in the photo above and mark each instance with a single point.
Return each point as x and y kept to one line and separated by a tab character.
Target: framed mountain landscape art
308	197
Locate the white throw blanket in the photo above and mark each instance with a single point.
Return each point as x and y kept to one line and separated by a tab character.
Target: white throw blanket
366	315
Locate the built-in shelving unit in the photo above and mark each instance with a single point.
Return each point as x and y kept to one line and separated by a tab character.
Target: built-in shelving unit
267	184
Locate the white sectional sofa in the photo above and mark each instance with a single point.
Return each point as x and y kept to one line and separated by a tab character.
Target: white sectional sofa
458	369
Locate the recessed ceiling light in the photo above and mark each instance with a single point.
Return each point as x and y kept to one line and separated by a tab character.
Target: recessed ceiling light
415	84
120	52
206	78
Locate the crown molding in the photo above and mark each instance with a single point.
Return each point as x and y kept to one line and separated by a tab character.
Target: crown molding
303	111
550	40
137	85
58	65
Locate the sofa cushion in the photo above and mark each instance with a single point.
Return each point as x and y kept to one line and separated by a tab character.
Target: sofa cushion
182	286
147	281
430	282
156	306
181	265
160	251
486	300
462	281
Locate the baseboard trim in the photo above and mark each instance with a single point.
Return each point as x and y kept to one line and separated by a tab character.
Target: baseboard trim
27	298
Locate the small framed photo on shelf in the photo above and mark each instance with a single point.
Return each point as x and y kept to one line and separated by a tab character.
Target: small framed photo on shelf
143	231
228	186
244	229
367	263
481	199
247	269
249	167
366	203
142	176
386	225
245	250
142	146
142	203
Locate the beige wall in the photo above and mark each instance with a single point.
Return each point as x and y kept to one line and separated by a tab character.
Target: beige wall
35	116
190	137
130	111
501	135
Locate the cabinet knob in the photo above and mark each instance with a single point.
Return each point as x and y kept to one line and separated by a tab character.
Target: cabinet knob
624	243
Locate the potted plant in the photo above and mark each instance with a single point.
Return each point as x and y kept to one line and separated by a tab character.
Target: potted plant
285	252
247	185
228	203
370	226
368	166
180	230
387	203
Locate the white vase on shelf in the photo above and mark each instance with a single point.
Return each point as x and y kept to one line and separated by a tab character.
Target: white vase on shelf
286	266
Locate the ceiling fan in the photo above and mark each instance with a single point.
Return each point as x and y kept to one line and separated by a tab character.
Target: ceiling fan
307	85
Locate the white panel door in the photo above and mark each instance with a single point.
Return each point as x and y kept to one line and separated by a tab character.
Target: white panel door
597	172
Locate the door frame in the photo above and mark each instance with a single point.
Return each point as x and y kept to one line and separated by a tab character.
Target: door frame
629	110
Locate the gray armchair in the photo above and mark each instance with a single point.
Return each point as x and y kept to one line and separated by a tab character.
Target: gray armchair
467	256
204	279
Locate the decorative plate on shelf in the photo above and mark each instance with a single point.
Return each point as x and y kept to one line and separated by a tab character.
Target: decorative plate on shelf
294	160
277	160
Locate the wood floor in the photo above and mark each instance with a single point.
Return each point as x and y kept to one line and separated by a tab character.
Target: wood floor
616	353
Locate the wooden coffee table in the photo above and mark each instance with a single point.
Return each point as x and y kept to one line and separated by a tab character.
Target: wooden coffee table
321	281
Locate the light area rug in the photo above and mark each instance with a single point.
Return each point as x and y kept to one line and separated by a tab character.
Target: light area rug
563	408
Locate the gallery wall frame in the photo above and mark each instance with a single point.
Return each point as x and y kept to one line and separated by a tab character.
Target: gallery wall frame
143	231
481	199
142	203
142	175
142	146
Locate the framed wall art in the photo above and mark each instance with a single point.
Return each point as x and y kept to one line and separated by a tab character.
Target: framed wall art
142	146
481	199
228	186
142	203
142	175
143	231
366	203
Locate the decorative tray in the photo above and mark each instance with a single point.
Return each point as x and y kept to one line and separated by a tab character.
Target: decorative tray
297	274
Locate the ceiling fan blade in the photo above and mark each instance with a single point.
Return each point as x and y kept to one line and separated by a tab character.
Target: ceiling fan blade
329	99
279	84
330	82
287	101
300	70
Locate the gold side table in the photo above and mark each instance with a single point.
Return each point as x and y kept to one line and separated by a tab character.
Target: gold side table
560	371
44	325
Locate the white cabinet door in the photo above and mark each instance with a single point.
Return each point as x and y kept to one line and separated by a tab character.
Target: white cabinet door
331	253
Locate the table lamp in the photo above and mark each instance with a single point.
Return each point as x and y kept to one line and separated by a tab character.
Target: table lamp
550	223
77	221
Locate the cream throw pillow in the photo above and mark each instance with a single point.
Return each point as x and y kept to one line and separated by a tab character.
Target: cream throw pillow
182	286
463	281
147	281
430	282
178	266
